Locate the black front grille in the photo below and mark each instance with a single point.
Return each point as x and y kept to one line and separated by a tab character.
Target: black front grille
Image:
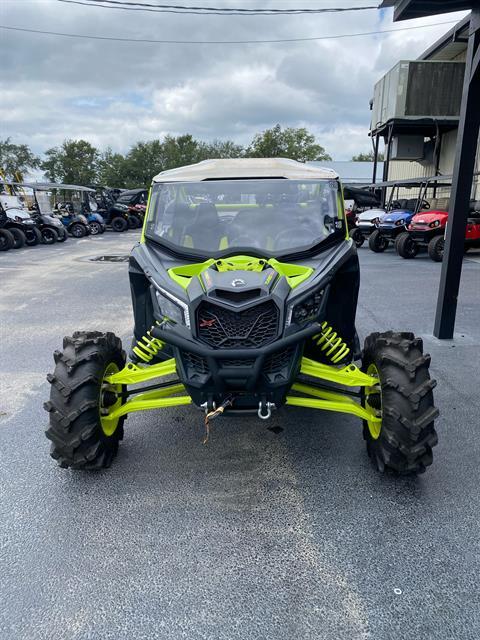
194	363
278	360
236	363
228	329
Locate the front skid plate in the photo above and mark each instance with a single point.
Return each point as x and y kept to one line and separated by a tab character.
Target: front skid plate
349	376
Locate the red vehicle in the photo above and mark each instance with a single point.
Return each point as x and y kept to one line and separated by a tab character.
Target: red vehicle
427	229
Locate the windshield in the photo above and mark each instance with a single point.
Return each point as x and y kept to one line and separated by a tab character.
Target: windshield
275	216
44	202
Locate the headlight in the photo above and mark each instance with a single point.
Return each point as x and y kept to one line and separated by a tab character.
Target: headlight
400	222
435	223
171	307
305	311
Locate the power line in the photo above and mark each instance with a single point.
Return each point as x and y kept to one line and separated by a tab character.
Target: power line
208	11
275	41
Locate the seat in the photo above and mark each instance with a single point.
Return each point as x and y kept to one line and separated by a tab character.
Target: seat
205	231
181	217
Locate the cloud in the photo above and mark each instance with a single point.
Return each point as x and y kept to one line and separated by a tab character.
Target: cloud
114	93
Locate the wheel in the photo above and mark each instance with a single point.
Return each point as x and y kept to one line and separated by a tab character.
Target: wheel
358	237
78	230
133	222
49	235
95	228
7	240
19	238
406	246
62	234
403	398
435	248
119	224
377	242
33	237
80	436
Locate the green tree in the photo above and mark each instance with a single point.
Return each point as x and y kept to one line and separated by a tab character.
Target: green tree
74	162
297	144
16	158
222	149
181	150
367	157
112	169
143	161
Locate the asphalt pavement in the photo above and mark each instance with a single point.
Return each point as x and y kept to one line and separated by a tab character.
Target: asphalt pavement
262	534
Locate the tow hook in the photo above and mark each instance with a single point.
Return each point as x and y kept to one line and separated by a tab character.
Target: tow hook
265	409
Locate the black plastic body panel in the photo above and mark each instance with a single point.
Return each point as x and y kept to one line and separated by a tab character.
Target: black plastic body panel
249	374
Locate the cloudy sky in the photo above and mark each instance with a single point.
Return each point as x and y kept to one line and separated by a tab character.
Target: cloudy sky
116	93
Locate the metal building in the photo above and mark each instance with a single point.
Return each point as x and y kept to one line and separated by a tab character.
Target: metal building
416	110
466	150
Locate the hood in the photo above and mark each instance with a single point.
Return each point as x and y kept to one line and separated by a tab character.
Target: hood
430	216
371	214
398	214
17	212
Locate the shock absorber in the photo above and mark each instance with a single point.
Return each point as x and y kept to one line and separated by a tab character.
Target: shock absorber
331	344
148	346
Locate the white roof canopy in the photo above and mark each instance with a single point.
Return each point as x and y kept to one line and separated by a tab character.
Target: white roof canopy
246	168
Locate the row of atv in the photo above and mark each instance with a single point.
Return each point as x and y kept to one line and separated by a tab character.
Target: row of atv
29	221
409	232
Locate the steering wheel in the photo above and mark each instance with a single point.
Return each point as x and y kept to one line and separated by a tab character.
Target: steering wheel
284	238
425	205
245	240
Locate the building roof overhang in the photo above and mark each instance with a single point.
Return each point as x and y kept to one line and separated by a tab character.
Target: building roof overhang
409	9
415	126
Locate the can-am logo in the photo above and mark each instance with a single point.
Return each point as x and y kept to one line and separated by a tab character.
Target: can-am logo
238	282
207	323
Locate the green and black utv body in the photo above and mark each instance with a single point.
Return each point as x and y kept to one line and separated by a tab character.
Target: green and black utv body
244	289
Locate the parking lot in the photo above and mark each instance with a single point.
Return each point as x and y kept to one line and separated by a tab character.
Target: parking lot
265	533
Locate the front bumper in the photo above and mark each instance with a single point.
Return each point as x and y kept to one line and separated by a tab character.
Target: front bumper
423	236
366	229
253	375
391	232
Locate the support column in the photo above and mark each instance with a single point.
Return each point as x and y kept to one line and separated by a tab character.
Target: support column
464	167
375	159
386	163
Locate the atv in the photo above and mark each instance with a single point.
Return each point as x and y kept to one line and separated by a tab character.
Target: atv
133	204
244	290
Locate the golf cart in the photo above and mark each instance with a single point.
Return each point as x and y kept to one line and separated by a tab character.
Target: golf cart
363	201
73	207
436	243
40	210
18	220
399	211
244	290
429	221
7	241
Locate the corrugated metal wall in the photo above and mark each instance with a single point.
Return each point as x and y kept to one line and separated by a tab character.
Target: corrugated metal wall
401	170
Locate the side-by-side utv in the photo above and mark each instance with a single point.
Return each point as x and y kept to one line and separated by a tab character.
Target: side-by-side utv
244	289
